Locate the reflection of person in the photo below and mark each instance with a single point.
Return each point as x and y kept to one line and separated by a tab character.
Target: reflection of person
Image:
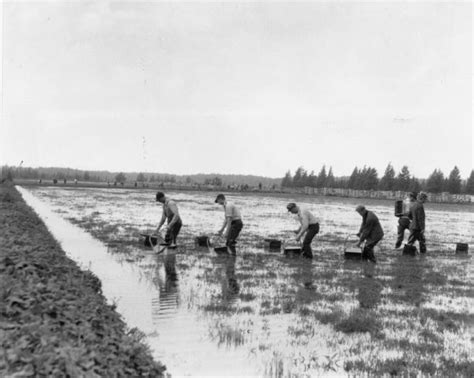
417	225
232	223
233	285
170	213
309	225
370	231
404	220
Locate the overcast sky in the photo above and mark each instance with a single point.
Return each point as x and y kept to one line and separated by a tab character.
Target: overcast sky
237	87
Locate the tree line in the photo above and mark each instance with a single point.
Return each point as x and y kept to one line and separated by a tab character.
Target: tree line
366	178
69	174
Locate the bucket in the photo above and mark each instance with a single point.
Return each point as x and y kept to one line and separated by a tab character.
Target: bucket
398	208
150	241
462	248
351	252
273	245
220	249
409	250
202	241
291	251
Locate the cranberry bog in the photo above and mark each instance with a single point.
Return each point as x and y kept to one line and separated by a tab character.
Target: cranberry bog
263	313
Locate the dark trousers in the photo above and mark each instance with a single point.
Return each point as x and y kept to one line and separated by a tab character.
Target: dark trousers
233	234
420	236
403	224
173	232
368	251
313	229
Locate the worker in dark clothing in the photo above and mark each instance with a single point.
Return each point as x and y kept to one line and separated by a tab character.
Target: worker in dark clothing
417	225
404	220
170	213
370	231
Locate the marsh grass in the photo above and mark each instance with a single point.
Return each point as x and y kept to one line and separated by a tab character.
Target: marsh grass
399	312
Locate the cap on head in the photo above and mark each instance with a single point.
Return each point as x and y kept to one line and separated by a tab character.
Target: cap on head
422	196
291	206
159	195
360	208
220	197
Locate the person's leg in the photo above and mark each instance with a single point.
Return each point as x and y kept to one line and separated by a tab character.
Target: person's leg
412	237
368	252
173	233
422	242
310	234
233	234
403	224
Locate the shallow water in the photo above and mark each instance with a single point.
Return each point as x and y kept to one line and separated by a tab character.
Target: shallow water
255	314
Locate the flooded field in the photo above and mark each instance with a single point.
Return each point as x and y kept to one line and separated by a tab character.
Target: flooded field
261	313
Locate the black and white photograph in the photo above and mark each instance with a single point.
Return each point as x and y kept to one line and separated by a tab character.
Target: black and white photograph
240	188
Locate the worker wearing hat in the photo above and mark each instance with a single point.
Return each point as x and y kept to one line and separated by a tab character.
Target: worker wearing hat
309	227
232	223
417	225
170	213
370	232
404	220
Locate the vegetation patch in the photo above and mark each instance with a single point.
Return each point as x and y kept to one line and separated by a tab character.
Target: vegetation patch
54	321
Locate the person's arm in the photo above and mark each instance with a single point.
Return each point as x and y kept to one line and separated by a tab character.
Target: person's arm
162	221
304	225
366	228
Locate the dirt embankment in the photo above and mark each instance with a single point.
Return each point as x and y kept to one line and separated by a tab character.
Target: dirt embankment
54	320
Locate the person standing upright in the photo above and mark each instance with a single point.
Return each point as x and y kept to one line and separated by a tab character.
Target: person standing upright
417	225
170	213
232	223
309	227
404	220
370	231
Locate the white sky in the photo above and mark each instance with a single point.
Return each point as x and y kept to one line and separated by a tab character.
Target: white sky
251	88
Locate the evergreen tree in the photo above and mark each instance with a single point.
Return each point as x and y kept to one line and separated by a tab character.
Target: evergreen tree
470	184
86	176
435	183
387	182
330	181
403	179
287	181
322	177
141	177
297	178
415	185
304	179
454	181
312	179
354	179
371	180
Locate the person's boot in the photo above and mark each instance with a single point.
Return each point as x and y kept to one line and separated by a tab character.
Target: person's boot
372	257
398	244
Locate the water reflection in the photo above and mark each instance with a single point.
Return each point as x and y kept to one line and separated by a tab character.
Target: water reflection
167	301
232	289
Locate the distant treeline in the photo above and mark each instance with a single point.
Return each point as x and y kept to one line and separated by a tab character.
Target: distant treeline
70	174
367	178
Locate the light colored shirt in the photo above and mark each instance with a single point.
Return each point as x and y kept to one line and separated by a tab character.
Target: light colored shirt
306	218
231	211
170	208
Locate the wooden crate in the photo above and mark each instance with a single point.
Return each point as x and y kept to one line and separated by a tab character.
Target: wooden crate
409	250
353	253
462	248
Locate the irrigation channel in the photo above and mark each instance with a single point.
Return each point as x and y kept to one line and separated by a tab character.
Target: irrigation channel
177	336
